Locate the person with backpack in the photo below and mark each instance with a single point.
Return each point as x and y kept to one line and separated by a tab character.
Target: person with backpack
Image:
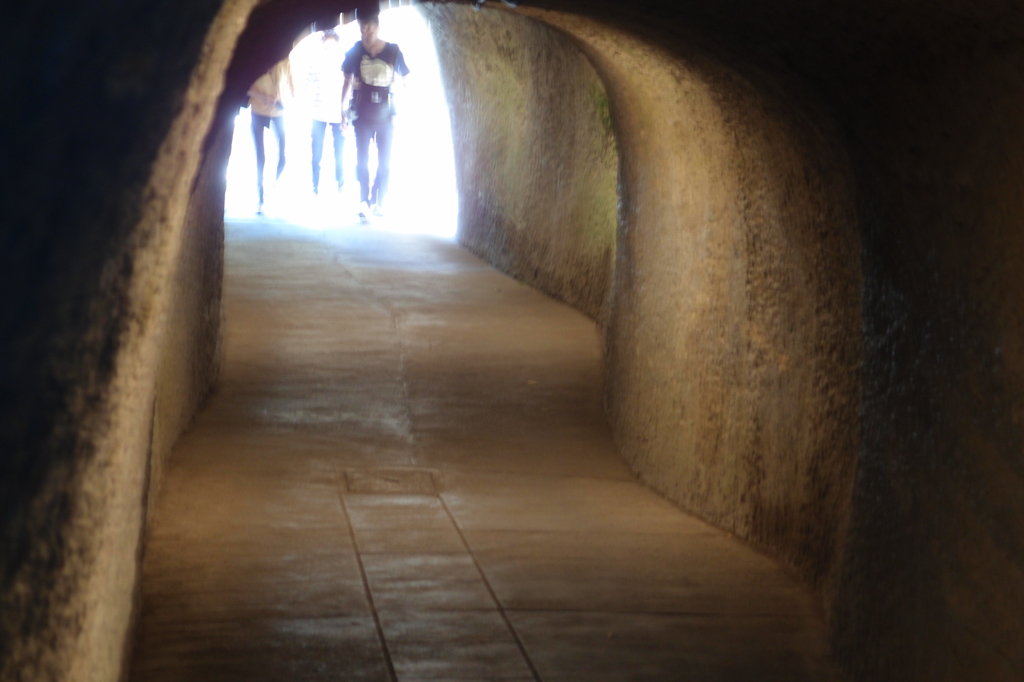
371	68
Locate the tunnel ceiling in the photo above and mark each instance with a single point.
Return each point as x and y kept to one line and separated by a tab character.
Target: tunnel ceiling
839	47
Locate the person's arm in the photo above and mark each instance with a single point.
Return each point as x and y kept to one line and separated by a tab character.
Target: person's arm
402	69
345	89
265	100
287	76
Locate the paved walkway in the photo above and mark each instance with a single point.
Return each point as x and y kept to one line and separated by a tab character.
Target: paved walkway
405	475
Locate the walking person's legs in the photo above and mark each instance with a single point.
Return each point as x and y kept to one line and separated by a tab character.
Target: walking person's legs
364	133
385	136
277	125
317	135
258	123
339	147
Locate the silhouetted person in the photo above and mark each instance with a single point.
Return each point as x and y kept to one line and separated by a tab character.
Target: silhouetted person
370	69
324	85
267	111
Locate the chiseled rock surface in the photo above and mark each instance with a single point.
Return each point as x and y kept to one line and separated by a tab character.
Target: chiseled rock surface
814	335
733	319
111	237
534	149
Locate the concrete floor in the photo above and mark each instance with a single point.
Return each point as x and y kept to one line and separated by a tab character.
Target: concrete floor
405	474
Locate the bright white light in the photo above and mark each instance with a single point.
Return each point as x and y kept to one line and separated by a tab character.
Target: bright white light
422	196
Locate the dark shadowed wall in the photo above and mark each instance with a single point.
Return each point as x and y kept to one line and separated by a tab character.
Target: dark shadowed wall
109	108
934	581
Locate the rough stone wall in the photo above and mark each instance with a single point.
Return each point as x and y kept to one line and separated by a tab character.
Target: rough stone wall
733	346
928	98
190	356
535	154
108	107
927	582
733	343
934	582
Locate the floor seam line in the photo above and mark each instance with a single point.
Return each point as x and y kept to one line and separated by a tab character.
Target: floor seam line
494	596
603	533
399	344
392	676
492	472
626	612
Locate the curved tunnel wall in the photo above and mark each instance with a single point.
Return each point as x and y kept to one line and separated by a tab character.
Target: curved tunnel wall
831	367
933	585
536	162
733	339
111	271
812	328
732	348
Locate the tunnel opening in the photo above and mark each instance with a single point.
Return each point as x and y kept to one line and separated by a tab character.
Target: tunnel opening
422	196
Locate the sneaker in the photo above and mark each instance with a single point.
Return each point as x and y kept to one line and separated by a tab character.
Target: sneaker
378	211
364	212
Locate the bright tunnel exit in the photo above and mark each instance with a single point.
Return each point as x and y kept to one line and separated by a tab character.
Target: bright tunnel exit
422	196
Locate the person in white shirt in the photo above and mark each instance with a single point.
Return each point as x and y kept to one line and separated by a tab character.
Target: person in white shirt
324	85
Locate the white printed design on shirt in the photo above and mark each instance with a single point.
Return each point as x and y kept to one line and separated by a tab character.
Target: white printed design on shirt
376	72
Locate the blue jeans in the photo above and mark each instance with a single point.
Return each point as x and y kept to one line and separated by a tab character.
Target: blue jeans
383	131
275	123
318	132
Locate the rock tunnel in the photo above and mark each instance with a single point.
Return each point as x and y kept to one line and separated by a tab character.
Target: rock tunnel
793	223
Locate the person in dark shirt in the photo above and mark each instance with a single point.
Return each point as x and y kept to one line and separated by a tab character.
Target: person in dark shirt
371	68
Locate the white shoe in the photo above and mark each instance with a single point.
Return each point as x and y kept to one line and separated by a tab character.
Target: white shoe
378	211
364	212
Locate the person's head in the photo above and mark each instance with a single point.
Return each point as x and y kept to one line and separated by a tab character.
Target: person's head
369	25
326	27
